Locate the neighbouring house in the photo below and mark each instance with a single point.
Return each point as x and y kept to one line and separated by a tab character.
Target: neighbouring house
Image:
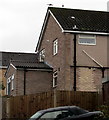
5	58
25	78
106	91
75	43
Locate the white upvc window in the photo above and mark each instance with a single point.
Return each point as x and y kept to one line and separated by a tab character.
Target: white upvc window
42	55
55	47
10	84
55	76
87	39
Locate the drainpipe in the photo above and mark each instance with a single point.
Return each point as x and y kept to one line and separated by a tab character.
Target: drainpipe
103	69
74	87
24	81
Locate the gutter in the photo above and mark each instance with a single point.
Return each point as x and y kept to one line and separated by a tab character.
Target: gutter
84	32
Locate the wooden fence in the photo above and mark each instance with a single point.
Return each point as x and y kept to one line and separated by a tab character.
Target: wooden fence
25	106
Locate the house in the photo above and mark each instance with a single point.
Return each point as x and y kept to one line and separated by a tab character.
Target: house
25	78
75	43
5	58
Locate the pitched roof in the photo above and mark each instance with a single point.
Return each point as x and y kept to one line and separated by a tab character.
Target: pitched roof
85	20
5	57
31	65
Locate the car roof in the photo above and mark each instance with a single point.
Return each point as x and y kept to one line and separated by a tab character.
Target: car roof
59	108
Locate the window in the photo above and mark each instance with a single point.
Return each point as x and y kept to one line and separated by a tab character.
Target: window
42	55
55	47
8	87
55	75
87	39
57	115
10	84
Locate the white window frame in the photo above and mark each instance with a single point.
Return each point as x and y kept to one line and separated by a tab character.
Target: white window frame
55	75
88	38
10	81
42	55
55	47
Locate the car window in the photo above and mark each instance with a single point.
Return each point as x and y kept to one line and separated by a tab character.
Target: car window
56	115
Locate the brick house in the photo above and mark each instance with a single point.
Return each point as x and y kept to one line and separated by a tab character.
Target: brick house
75	43
5	58
28	78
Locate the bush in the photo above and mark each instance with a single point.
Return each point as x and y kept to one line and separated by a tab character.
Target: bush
105	110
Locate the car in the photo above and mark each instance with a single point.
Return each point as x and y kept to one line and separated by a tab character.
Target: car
65	113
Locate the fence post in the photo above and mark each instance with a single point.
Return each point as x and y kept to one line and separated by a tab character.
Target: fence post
55	98
1	108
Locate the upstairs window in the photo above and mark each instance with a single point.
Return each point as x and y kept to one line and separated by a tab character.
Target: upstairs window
55	47
55	76
87	39
42	55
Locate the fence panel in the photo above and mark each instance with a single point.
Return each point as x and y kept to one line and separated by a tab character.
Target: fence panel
25	106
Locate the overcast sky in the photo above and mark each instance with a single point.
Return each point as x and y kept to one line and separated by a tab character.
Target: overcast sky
21	20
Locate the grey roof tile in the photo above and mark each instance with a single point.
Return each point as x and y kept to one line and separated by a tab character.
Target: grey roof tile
85	20
32	65
6	57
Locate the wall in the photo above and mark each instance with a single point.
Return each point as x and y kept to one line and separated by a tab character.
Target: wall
98	52
64	59
35	81
52	32
11	70
3	80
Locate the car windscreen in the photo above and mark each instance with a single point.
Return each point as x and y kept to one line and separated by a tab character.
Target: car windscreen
36	115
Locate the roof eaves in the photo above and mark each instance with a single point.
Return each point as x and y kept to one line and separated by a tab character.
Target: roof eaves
85	32
13	66
9	68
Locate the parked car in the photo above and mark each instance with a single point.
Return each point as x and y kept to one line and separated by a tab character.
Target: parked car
65	113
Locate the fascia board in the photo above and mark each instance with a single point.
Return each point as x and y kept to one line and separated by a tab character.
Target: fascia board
3	67
13	66
42	31
9	68
56	20
85	32
44	25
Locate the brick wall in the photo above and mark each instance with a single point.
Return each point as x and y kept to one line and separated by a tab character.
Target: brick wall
35	81
64	59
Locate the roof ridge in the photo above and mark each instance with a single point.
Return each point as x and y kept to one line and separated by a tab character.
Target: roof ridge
78	9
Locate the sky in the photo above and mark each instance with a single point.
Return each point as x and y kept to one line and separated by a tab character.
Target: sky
21	20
